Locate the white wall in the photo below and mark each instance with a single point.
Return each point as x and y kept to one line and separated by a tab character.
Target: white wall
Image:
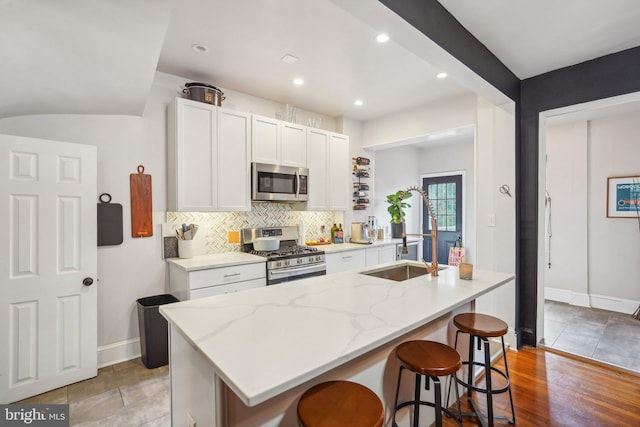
456	157
565	274
608	260
396	169
496	244
438	116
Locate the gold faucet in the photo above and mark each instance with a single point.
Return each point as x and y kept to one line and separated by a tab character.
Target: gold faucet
433	268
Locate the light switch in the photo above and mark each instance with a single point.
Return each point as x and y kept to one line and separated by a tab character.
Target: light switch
492	220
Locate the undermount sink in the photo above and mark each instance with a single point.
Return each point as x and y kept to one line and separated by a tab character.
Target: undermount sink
400	273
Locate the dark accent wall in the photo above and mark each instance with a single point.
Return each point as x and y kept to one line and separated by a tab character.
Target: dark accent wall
604	77
600	78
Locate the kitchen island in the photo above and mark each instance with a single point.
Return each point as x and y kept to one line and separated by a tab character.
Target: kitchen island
243	359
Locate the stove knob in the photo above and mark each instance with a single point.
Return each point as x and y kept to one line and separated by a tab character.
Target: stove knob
287	263
310	259
300	260
318	258
279	264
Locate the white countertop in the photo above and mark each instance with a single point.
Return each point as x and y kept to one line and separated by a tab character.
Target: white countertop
226	259
265	341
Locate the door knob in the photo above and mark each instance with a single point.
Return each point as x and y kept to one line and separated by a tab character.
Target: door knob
87	281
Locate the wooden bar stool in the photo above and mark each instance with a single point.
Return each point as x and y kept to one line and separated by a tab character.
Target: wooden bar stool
340	404
480	327
433	360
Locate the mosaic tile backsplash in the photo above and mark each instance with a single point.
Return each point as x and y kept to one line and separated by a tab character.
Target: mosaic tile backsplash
214	226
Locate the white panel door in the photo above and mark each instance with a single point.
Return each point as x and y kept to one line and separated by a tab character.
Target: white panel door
48	336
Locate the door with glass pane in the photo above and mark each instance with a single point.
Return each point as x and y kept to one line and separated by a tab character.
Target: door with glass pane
445	194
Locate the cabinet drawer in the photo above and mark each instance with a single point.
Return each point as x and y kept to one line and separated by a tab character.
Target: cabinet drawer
224	275
343	261
225	289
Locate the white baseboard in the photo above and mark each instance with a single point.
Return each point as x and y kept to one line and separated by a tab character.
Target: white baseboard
595	301
614	304
122	351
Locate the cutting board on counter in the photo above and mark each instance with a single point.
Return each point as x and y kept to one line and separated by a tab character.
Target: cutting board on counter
141	204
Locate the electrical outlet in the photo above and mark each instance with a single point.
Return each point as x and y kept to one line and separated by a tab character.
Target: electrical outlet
192	421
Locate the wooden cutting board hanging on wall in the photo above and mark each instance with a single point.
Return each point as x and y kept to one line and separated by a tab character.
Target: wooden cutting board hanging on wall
141	206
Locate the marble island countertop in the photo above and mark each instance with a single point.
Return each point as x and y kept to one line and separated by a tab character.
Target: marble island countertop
265	341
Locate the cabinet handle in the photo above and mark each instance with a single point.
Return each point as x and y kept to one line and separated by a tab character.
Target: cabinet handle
232	274
347	257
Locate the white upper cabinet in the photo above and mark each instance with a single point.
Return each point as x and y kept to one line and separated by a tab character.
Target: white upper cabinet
277	142
208	158
294	145
339	172
265	134
234	165
329	170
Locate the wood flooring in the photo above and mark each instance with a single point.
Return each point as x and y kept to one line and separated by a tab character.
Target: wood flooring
549	389
554	389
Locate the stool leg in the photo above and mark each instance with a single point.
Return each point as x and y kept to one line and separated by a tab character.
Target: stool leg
506	370
416	403
459	420
487	373
437	400
455	347
395	401
471	359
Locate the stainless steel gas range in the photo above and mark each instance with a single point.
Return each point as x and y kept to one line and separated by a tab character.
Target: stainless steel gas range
291	261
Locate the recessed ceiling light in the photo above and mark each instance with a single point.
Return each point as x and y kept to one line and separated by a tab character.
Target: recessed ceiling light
289	59
199	48
442	75
358	102
382	38
298	82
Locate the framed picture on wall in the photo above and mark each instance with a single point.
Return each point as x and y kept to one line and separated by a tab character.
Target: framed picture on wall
623	197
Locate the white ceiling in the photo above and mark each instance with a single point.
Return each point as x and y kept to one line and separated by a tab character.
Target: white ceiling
532	37
99	56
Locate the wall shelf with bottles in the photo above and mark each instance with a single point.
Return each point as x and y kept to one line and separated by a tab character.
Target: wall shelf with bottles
360	187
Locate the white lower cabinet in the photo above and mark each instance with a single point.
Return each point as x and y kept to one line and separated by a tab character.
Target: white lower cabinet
347	260
186	285
380	255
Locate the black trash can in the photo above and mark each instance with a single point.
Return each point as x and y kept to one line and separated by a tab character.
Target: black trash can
153	330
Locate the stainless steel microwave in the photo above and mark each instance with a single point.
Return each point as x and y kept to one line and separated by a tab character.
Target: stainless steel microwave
279	183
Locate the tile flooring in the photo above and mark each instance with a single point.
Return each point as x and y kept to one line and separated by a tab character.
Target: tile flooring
605	336
125	394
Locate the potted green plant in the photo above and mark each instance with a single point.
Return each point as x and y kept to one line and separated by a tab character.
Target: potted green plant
396	209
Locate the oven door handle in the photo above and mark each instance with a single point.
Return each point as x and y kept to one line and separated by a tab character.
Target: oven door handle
305	269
